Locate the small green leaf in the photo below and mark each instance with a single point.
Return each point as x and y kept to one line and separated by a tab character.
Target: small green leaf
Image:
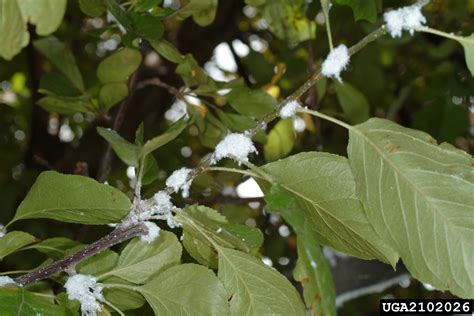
119	66
62	58
119	14
53	83
207	15
129	153
64	105
167	50
18	301
14	241
47	15
123	298
73	199
325	193
147	26
98	264
54	247
93	8
191	73
353	103
160	140
254	288
363	10
280	142
139	261
15	35
256	103
419	198
186	289
112	93
150	170
468	43
145	5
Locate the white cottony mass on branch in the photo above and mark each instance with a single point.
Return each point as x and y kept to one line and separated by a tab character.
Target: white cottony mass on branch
87	291
235	146
406	18
289	109
4	280
336	62
179	181
153	232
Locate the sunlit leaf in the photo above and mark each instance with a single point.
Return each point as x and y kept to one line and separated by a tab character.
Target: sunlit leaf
14	241
281	140
119	66
47	15
112	93
14	32
468	43
18	301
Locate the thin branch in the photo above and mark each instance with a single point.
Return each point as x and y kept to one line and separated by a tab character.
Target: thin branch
326	5
158	83
326	117
460	39
119	235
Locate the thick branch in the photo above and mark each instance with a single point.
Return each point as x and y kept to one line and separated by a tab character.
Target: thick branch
119	235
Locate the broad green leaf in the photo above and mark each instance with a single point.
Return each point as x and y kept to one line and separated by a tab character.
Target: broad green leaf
254	288
324	189
119	66
419	198
281	140
18	301
47	15
64	105
54	247
363	10
14	241
62	58
353	103
74	199
186	289
127	152
15	35
256	103
98	264
139	261
468	44
287	20
112	93
93	8
202	223
167	50
121	297
160	140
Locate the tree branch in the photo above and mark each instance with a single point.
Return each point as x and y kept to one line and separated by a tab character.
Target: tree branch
119	235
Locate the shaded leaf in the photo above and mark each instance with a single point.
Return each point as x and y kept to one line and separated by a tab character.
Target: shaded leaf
15	35
167	50
122	298
139	261
64	105
112	93
468	44
119	66
254	288
47	15
186	289
57	84
129	153
324	189
250	102
281	140
160	140
147	26
98	264
150	170
74	199
363	10
93	8
18	301
14	241
54	247
353	103
418	197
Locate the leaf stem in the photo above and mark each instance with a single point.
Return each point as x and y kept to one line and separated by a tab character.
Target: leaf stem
325	4
326	117
444	34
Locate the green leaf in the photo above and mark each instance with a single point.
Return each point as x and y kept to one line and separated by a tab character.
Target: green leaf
150	170
112	93
160	140
240	123
324	189
119	14
353	103
123	298
52	83
468	44
254	288
256	103
207	15
15	35
255	3
129	153
167	50
73	199
98	264
418	197
191	73
202	223
62	58
186	289
145	5
93	8
18	301
54	247
281	140
119	66
147	26
47	15
14	241
288	21
64	105
363	10
139	261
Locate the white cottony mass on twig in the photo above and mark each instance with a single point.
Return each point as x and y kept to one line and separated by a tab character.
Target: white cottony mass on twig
289	109
4	280
177	111
153	232
235	146
179	181
87	291
406	18
336	62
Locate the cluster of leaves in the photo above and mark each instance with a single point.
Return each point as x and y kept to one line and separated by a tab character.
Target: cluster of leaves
398	194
